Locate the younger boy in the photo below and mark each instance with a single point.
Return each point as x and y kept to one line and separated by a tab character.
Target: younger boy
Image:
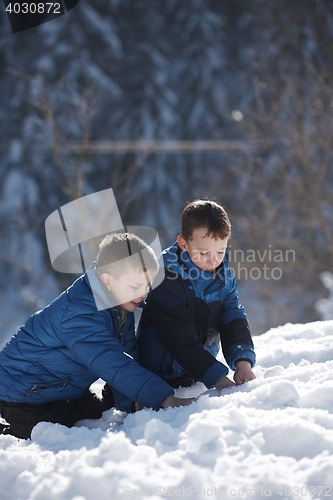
196	307
47	367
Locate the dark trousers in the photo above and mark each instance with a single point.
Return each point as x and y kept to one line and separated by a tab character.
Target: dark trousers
22	417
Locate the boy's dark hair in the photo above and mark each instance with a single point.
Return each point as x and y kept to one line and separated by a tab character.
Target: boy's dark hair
116	247
205	214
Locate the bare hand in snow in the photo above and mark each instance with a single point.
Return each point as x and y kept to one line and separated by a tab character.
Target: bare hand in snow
243	372
224	382
175	402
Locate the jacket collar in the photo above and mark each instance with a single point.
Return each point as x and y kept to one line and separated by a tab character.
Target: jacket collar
101	298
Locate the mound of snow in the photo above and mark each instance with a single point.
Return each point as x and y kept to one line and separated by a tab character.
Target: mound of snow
271	437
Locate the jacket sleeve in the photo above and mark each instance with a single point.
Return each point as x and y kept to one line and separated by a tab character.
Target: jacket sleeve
171	319
122	402
89	339
236	338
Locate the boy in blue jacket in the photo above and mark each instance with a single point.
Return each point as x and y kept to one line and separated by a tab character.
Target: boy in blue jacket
196	308
46	369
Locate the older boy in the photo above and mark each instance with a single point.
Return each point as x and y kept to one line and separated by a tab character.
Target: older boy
196	307
47	367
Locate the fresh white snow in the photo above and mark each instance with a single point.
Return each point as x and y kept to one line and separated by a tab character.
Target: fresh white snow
271	437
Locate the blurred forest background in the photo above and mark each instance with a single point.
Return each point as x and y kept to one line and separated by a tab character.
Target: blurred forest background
256	76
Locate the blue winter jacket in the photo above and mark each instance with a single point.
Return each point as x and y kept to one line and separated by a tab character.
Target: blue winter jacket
65	347
186	318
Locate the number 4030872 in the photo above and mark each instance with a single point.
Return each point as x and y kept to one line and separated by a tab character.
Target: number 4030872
34	8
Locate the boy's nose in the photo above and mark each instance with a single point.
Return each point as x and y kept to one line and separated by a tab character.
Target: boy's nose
142	297
212	259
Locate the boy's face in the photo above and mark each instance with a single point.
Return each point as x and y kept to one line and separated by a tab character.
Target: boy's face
130	289
205	252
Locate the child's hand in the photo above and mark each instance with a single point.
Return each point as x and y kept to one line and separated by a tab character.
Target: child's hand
175	402
243	372
138	407
223	382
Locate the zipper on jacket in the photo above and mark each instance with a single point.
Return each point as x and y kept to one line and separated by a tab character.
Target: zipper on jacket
122	321
47	387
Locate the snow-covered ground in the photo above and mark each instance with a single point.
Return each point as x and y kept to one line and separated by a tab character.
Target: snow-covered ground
272	437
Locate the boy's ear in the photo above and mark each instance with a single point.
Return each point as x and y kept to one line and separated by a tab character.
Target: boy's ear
182	243
105	277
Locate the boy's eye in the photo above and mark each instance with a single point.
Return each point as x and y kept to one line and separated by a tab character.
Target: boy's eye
135	287
221	253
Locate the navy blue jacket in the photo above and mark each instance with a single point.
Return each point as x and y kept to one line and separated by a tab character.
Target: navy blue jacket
65	347
186	318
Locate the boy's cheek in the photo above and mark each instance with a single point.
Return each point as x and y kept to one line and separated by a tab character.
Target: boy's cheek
128	295
195	256
199	261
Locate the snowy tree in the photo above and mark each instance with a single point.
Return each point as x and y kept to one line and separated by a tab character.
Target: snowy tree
150	70
112	70
287	183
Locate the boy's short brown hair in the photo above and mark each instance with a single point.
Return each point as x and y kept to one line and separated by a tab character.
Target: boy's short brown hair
116	247
205	214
